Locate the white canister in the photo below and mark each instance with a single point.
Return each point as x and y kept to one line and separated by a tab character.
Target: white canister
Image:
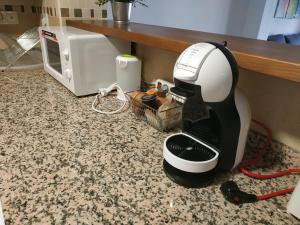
293	206
128	70
1	216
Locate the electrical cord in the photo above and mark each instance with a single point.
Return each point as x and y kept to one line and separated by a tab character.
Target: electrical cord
261	153
275	193
232	192
105	92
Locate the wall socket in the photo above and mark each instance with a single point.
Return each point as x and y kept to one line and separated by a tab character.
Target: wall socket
9	18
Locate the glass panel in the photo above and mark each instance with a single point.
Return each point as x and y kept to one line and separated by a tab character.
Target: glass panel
16	48
54	55
29	39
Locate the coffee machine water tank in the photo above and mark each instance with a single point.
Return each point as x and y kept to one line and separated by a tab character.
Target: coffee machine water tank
205	65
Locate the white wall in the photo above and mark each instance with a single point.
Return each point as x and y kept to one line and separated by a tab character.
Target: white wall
285	26
216	16
271	25
245	18
253	18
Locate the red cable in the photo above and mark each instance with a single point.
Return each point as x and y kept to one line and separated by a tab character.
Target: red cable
261	153
264	149
268	176
274	194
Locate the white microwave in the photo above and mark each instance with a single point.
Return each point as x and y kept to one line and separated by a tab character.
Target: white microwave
80	60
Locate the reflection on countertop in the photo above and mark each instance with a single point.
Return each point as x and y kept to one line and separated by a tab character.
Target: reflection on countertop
62	163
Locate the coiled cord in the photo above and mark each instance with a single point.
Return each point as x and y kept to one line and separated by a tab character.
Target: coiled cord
261	153
105	92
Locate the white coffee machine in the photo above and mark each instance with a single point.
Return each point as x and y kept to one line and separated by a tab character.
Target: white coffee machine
215	119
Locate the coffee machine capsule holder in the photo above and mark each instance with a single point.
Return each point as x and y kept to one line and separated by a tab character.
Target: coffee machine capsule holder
215	117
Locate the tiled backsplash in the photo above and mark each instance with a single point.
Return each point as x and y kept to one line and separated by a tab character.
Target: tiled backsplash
49	12
24	7
28	12
86	9
51	8
83	13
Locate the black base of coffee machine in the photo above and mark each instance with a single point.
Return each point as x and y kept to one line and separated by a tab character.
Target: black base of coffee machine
186	179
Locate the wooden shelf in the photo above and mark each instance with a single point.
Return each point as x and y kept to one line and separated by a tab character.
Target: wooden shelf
279	60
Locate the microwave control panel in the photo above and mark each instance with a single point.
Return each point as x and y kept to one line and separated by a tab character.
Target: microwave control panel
49	35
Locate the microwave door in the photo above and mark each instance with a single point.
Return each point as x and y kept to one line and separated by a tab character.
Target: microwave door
53	55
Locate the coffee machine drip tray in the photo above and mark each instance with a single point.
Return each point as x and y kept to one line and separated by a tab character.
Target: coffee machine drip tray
188	161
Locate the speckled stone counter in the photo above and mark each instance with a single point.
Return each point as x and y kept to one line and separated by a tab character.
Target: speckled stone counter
62	163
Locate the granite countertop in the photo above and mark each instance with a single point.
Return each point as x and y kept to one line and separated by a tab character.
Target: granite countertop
62	163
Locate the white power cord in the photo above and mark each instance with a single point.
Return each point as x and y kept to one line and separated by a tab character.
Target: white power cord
105	92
